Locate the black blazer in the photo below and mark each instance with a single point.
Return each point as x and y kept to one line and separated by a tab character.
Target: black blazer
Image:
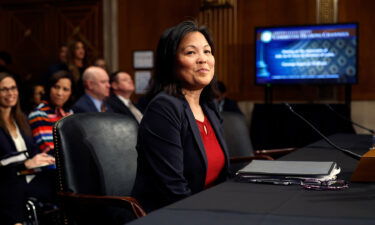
172	161
85	104
119	107
8	148
12	187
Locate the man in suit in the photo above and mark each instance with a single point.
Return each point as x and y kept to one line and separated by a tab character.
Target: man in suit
123	87
96	84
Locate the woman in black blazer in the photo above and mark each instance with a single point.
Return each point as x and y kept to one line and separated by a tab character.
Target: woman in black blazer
181	149
17	152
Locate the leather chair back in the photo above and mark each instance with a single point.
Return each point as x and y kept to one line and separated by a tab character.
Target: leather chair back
236	135
95	153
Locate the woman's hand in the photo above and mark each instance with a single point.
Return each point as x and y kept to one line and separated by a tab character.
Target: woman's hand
38	160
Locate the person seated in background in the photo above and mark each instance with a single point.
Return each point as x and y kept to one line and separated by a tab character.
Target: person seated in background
122	86
6	61
34	97
55	105
100	62
77	63
96	83
225	104
37	93
181	149
18	152
61	64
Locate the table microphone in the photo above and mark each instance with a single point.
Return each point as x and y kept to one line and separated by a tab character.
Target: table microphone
345	151
349	120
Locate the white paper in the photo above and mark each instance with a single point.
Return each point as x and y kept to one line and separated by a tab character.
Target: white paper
142	79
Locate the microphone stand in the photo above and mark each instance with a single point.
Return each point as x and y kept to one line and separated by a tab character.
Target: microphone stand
343	150
349	120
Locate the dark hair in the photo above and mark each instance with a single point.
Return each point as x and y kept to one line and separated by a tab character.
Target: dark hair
63	45
164	78
6	57
221	87
53	80
113	76
70	59
16	112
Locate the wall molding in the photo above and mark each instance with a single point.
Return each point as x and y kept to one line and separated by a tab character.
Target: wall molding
110	34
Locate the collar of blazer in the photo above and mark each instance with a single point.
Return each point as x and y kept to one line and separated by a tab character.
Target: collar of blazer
215	123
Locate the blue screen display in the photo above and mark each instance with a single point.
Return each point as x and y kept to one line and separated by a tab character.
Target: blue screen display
315	54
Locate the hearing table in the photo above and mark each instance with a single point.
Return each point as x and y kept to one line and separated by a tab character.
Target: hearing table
232	203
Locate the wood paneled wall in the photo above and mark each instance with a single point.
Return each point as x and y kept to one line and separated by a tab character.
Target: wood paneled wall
33	30
223	25
363	12
142	22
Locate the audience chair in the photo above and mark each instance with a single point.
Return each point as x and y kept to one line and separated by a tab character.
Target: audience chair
96	167
41	213
240	149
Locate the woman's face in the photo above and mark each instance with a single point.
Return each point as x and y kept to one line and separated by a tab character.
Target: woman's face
79	51
195	62
60	92
8	93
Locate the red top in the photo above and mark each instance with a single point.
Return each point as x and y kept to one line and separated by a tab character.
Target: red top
214	153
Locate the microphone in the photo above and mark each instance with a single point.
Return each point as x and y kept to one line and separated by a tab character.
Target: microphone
343	150
349	120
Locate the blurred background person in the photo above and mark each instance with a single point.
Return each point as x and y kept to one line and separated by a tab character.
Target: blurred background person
62	62
55	105
181	149
34	96
122	87
6	61
18	152
77	63
97	89
100	62
225	104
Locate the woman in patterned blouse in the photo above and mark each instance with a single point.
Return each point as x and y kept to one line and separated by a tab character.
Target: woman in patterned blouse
56	105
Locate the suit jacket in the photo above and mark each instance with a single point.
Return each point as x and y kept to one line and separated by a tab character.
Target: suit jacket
12	186
119	107
85	104
14	190
8	148
172	162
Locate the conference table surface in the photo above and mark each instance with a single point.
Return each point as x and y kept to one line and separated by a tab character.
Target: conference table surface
233	203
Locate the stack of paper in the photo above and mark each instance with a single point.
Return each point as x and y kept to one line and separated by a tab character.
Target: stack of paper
288	172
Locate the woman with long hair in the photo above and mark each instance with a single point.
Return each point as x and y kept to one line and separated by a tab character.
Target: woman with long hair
17	152
77	62
181	148
55	105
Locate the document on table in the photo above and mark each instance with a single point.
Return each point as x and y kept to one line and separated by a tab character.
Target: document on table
288	172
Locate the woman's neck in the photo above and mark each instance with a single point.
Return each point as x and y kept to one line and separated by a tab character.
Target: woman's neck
78	62
8	121
6	114
193	97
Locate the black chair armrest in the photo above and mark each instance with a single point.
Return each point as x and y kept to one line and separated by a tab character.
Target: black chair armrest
124	202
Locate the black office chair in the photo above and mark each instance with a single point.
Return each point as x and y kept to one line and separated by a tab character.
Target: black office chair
96	167
240	149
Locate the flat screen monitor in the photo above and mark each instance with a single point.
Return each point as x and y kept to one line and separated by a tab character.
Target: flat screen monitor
309	54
